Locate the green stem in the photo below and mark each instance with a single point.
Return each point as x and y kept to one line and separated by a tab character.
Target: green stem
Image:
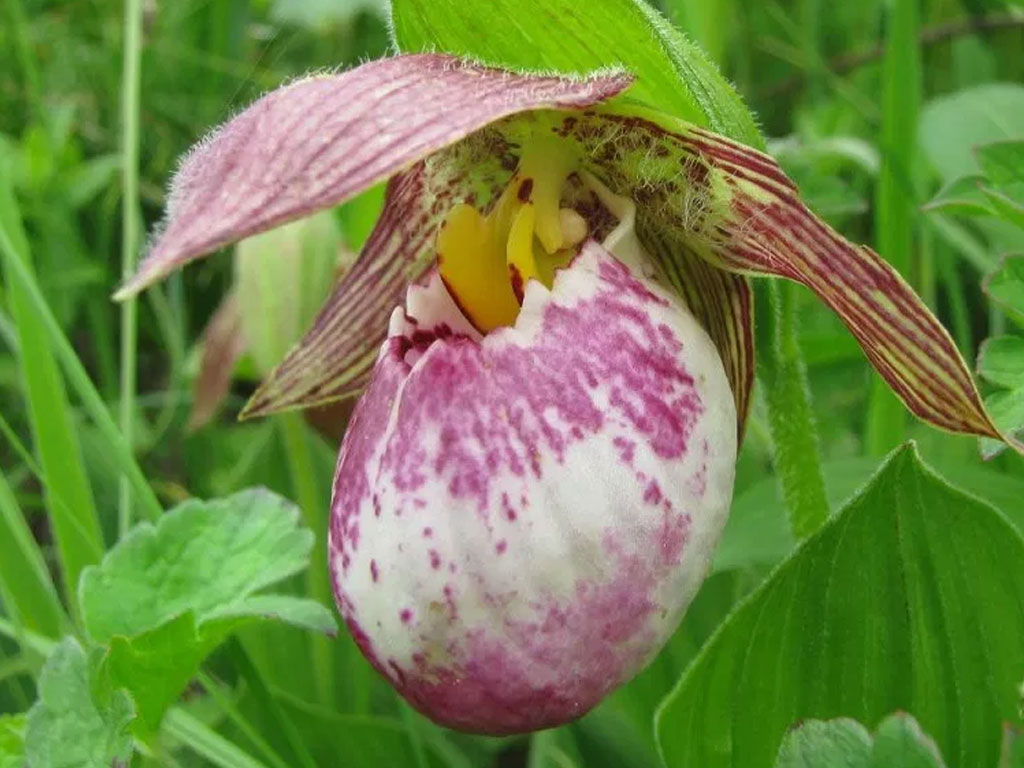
791	419
130	97
313	504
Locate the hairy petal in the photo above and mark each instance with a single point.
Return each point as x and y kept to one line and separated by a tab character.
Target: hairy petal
316	142
734	207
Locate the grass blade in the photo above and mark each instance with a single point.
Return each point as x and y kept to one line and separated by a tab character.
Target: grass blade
69	500
24	579
895	207
14	250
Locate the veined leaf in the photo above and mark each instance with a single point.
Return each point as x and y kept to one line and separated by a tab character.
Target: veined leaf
843	743
673	74
1006	286
1001	361
202	556
77	722
908	599
165	596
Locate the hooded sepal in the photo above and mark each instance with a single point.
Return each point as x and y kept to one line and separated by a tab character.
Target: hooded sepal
315	143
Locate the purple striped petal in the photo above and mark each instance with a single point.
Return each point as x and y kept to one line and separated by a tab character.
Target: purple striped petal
734	207
318	141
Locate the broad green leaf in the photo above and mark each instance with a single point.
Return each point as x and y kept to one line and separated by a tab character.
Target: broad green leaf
12	741
1006	286
962	196
840	743
673	74
77	721
1001	361
908	599
844	743
951	126
1002	162
1007	410
202	556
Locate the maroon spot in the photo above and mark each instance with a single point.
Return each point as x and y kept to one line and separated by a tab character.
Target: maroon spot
525	190
373	570
428	532
501	546
405	615
435	559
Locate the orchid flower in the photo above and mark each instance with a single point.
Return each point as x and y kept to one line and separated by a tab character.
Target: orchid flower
552	324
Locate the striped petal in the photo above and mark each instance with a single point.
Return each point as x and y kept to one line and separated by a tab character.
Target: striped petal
318	141
735	208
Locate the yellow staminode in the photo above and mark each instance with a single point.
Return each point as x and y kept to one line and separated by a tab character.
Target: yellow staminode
487	261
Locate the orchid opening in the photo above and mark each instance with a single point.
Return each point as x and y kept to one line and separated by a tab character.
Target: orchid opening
553	327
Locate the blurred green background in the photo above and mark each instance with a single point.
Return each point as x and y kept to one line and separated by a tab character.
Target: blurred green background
870	134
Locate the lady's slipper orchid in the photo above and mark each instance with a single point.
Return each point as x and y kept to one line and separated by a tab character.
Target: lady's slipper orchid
530	490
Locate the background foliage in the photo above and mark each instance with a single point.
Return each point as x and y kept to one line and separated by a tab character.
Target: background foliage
901	121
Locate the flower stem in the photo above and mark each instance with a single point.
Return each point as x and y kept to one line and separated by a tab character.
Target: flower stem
130	96
784	379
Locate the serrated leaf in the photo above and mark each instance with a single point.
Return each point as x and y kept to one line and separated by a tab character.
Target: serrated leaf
1001	361
844	743
841	743
12	741
1007	410
155	666
673	74
900	743
1006	286
202	556
299	612
77	722
908	599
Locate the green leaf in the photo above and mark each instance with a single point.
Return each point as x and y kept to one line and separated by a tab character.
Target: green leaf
963	196
900	743
12	741
844	743
69	500
951	126
1006	208
77	721
1006	286
202	556
1001	361
165	596
672	73
1002	162
1007	410
25	583
155	666
908	599
840	743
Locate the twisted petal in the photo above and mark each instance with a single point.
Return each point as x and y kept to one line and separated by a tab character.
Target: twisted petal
320	140
734	207
518	522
